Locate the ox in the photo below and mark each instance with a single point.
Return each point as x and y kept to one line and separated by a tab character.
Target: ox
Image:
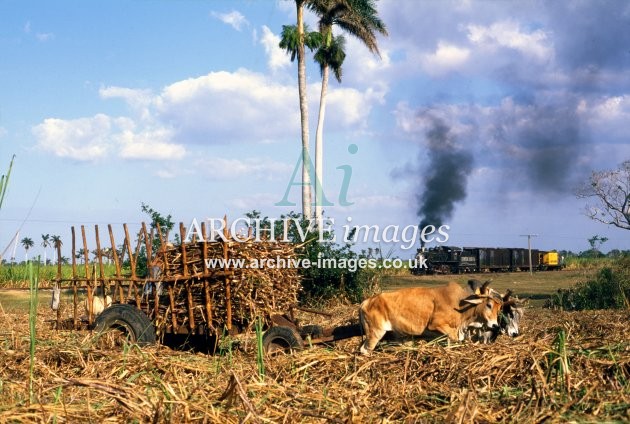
448	310
512	311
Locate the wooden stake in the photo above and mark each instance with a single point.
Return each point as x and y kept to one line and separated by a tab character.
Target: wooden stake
117	285
101	270
75	300
87	277
206	286
59	284
148	244
132	262
189	299
228	288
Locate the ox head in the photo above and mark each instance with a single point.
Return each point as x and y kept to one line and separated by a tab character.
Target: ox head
511	313
487	305
512	310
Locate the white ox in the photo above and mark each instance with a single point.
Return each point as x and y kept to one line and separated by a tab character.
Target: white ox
448	310
512	311
98	304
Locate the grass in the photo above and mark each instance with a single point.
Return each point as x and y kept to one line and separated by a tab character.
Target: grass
537	287
575	263
16	275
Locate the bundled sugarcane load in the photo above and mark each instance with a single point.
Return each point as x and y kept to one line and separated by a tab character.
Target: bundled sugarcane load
198	286
213	286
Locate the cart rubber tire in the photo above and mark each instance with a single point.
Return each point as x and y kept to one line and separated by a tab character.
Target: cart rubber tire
314	331
280	338
129	320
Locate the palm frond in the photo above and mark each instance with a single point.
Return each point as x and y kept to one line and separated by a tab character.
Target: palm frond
289	39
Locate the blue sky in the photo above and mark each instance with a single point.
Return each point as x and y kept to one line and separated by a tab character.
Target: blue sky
189	106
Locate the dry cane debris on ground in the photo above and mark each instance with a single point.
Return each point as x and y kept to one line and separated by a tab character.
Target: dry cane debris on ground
540	376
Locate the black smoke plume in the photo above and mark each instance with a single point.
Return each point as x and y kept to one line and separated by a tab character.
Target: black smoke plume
445	179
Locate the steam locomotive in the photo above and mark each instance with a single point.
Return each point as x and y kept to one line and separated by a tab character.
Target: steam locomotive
457	260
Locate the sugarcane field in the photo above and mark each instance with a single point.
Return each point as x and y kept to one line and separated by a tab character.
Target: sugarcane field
315	211
561	364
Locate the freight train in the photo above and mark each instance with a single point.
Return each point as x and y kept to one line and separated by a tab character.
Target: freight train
458	260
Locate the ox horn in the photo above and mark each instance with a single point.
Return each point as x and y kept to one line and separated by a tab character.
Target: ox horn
474	286
484	288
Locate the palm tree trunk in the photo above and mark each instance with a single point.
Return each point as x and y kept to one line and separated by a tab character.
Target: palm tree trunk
319	148
306	168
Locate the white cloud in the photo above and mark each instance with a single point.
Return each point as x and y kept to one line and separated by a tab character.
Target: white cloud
44	36
40	36
222	107
139	100
217	108
608	117
165	173
3	132
83	139
276	57
234	18
349	107
248	203
231	168
363	67
149	145
446	58
132	96
94	138
509	34
612	108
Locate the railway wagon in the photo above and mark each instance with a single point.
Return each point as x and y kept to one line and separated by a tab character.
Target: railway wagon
451	259
520	259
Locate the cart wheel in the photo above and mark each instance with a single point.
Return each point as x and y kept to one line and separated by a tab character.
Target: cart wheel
282	339
124	323
314	331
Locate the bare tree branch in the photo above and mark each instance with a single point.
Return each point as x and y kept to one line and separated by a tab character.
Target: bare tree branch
609	192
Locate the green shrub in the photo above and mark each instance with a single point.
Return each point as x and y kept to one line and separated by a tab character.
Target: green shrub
610	289
342	280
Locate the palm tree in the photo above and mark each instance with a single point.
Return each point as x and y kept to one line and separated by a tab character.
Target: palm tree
27	242
358	18
294	41
80	255
45	244
56	242
328	57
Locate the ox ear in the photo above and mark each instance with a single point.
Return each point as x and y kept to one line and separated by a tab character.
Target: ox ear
473	300
474	286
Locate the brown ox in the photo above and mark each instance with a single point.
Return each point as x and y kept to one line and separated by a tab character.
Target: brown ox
449	310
